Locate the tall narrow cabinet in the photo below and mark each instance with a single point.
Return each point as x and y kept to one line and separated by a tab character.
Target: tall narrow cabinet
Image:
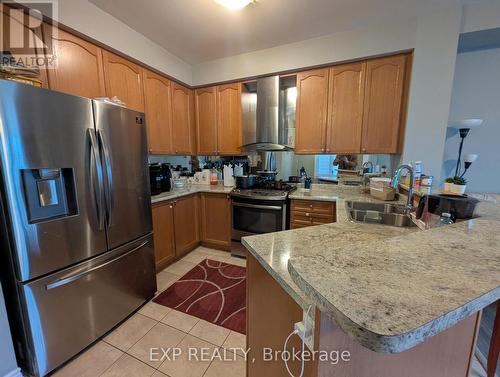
158	106
383	104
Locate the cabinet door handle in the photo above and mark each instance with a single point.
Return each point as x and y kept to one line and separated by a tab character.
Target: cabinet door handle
308	214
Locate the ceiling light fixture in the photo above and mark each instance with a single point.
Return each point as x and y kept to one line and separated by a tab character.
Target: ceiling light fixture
234	4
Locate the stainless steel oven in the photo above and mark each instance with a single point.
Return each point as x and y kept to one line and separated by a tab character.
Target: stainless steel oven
256	216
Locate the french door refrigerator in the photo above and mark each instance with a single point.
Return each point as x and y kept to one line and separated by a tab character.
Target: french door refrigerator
77	249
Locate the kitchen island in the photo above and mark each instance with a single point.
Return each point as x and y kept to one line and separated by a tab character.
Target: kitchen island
401	300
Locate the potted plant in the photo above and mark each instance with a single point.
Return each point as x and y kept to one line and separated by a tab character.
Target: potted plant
455	185
459	185
447	184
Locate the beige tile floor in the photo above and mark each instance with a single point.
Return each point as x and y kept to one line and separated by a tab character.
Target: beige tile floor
126	351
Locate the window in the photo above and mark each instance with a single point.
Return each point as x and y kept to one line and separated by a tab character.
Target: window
323	166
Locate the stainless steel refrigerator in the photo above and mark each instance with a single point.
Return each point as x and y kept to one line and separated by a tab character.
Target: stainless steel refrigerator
77	249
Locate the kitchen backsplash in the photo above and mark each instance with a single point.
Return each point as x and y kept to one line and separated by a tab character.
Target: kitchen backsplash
289	164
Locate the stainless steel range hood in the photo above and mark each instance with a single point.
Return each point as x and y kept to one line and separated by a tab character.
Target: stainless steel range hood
268	106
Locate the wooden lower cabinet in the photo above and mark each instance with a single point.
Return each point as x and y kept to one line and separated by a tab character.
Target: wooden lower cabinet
176	230
163	233
272	312
216	220
271	315
186	229
312	212
180	224
447	354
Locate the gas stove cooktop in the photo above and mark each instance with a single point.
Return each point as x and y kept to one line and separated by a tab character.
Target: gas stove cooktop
267	191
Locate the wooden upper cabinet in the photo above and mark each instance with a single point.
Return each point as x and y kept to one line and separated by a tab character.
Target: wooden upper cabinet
79	69
206	120
229	118
123	79
182	120
163	233
187	234
311	116
382	104
14	28
345	108
158	107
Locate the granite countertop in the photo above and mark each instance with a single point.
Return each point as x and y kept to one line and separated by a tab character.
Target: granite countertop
287	244
388	288
191	189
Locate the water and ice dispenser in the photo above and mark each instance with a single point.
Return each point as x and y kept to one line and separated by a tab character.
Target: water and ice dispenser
50	193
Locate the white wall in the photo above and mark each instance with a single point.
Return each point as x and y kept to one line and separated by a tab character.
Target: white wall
90	20
482	15
476	93
333	48
431	85
7	357
433	35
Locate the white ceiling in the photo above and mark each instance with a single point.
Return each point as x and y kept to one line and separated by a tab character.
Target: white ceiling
201	30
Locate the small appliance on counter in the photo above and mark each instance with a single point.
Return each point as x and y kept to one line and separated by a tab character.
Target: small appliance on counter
160	178
228	176
431	207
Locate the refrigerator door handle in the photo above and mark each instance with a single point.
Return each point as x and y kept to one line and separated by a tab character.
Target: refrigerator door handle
109	176
96	177
79	275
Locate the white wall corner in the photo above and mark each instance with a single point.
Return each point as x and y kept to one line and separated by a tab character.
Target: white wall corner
431	85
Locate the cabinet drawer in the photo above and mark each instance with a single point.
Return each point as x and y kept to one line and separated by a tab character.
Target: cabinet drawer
313	206
322	220
298	226
307	218
300	218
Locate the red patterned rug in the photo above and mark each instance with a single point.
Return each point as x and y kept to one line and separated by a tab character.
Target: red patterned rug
213	291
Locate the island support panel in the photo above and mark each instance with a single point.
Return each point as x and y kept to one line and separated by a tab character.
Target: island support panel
448	354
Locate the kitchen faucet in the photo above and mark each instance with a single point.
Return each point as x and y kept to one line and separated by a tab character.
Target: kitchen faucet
395	181
365	165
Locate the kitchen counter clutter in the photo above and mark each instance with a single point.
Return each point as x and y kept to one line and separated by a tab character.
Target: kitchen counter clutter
388	288
192	189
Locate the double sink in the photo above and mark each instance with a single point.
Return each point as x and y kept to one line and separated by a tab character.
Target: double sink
378	213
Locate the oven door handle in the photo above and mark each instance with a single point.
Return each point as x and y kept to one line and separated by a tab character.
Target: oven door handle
258	206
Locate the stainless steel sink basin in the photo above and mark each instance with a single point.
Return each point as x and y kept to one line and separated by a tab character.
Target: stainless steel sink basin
378	213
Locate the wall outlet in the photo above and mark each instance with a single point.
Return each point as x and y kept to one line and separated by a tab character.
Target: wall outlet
306	334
